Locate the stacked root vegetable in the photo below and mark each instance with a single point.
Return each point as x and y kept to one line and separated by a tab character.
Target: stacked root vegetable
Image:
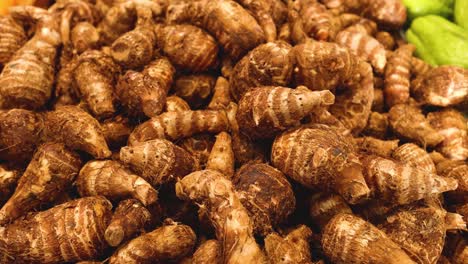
222	131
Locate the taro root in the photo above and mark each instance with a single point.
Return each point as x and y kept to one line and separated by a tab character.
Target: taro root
266	194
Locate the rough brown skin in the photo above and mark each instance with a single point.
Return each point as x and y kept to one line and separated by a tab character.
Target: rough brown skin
442	86
215	194
292	249
397	76
323	65
324	206
12	38
353	106
363	25
266	111
195	89
8	180
408	122
453	127
387	13
20	132
199	146
74	232
411	229
266	194
188	47
284	33
245	150
176	104
364	46
458	170
400	183
165	244
262	11
327	160
26	80
93	79
419	67
49	174
317	21
118	19
116	131
208	252
221	95
413	155
370	145
386	39
234	28
112	180
129	219
268	64
349	239
135	48
377	125
176	125
222	157
158	161
84	36
142	93
77	130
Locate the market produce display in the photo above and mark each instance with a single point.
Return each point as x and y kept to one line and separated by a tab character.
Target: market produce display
234	131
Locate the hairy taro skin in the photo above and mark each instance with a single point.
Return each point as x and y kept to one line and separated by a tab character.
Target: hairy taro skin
12	38
158	161
326	159
269	64
188	47
74	232
350	239
166	244
266	194
208	252
20	133
234	28
293	248
49	175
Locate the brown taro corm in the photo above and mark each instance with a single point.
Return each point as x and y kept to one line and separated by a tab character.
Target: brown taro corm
12	38
129	219
158	161
360	241
266	194
188	47
221	157
414	155
166	244
20	134
75	232
324	206
177	125
326	160
262	117
267	64
94	77
290	249
408	122
196	89
397	76
77	129
50	174
208	252
211	190
442	86
111	179
234	28
26	80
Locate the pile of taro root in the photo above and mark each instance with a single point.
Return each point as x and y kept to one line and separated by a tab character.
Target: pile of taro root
227	131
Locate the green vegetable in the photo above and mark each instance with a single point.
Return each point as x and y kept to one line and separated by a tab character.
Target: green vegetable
461	13
439	41
417	8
